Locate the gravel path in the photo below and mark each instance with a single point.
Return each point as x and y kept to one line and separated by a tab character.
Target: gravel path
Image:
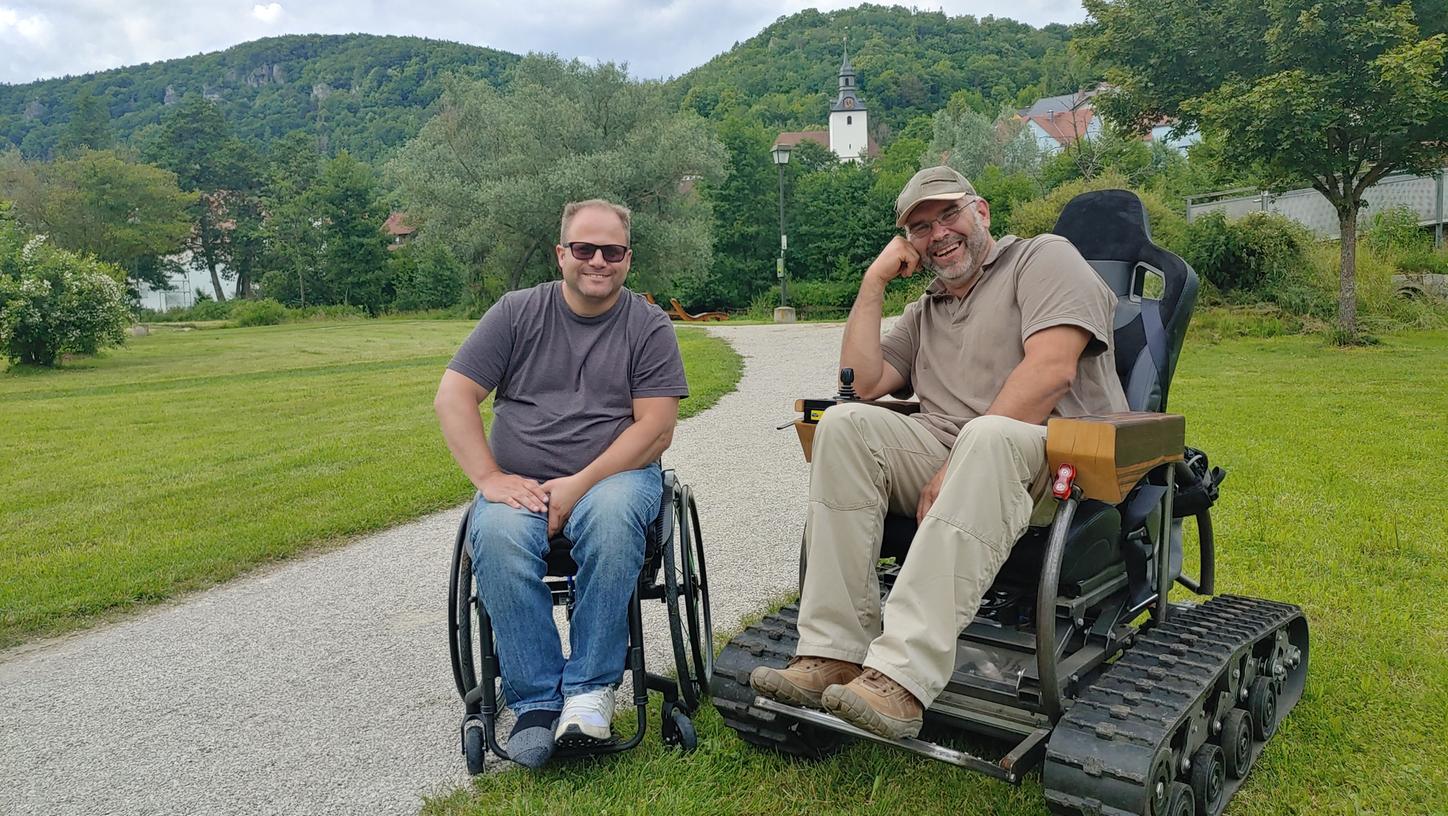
322	685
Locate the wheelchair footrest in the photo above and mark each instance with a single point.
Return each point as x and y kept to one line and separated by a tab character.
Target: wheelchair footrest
582	744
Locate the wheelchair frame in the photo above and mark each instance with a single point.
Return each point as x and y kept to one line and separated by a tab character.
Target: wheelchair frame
1162	716
673	573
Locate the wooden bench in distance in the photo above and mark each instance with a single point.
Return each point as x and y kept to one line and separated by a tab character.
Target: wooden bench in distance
677	313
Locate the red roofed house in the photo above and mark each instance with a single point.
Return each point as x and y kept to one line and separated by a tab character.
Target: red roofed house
1057	121
398	231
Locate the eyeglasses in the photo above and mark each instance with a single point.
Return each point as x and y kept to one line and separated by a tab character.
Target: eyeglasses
924	229
583	251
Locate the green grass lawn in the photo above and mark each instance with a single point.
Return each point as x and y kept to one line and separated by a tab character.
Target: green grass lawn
187	457
1339	462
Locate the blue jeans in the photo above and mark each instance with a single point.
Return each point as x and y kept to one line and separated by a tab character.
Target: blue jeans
509	548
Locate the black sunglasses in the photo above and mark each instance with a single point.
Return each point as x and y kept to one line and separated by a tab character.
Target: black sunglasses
583	251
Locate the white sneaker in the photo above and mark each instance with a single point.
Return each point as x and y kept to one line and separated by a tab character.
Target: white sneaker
587	715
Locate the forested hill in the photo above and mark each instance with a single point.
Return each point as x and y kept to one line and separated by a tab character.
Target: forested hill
368	94
359	92
908	63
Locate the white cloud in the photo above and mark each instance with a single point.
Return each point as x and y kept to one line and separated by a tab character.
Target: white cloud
34	28
269	13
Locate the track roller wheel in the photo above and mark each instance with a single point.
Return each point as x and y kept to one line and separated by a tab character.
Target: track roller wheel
1179	801
1160	785
1209	777
1236	743
1262	704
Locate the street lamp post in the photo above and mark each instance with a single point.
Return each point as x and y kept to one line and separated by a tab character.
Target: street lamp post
784	314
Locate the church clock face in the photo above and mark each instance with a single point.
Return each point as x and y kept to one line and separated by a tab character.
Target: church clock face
849	102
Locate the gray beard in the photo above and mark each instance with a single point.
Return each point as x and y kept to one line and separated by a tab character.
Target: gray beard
957	274
967	268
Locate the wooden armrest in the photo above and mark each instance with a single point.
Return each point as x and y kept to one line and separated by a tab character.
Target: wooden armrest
1112	453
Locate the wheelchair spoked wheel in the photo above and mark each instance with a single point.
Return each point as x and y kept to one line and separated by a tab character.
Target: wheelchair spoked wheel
686	593
462	608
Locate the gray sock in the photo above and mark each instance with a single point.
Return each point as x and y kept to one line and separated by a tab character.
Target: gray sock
531	743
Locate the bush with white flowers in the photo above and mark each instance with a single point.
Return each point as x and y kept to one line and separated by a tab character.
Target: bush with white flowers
54	302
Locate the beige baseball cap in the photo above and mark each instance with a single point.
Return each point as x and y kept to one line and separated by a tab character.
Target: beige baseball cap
940	183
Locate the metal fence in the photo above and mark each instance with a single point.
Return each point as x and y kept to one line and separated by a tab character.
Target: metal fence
1423	195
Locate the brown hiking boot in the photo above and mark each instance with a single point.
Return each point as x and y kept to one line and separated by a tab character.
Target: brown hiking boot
801	682
877	704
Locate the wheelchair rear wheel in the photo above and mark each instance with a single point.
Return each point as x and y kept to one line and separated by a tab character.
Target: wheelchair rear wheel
686	593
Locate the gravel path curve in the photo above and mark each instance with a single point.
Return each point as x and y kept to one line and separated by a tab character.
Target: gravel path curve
322	685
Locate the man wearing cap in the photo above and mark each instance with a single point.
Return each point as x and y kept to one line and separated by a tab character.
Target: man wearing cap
1010	333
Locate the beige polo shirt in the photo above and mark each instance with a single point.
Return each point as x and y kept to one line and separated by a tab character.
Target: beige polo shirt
956	353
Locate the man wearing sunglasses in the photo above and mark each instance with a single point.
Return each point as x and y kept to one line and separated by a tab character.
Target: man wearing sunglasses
586	379
1010	333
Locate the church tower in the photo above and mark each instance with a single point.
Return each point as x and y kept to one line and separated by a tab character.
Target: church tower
849	123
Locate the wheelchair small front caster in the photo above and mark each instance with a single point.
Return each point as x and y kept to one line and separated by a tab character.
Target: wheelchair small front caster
677	729
475	745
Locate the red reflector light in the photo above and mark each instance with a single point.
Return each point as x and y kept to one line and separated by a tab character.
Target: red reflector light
1065	477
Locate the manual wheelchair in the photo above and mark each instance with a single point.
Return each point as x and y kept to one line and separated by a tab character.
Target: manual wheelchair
673	572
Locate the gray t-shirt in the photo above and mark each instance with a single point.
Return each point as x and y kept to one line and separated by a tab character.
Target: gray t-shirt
563	385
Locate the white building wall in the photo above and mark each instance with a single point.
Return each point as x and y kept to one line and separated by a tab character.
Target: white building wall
186	284
1160	134
849	134
1044	140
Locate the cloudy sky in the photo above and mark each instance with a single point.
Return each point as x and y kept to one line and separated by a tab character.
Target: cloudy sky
657	38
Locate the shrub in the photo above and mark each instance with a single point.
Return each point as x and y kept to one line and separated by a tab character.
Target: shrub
425	277
1395	228
334	312
1168	228
823	298
1423	260
1263	254
54	302
204	309
264	312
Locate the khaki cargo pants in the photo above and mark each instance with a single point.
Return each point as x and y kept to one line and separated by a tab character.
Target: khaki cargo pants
867	459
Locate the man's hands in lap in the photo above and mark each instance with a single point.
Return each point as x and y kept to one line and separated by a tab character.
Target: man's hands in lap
517	492
562	494
929	494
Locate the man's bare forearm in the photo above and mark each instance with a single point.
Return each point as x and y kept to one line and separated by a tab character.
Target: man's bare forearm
462	428
1031	393
1043	377
642	443
860	349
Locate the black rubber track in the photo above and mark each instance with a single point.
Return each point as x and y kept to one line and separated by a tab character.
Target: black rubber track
1101	753
770	642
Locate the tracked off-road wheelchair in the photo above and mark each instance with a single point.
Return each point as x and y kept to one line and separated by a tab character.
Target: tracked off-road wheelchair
673	572
1130	704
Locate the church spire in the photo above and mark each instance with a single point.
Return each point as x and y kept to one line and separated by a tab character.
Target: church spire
848	97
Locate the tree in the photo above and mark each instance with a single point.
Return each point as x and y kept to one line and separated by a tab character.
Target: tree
103	204
489	175
968	140
745	222
1335	93
841	221
89	127
196	144
291	234
354	249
